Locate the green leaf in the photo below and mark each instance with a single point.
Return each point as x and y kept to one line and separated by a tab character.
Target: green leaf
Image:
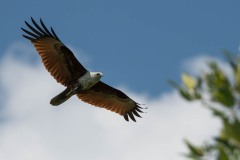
195	151
189	82
218	112
219	86
226	143
237	77
197	95
222	154
224	96
185	94
231	130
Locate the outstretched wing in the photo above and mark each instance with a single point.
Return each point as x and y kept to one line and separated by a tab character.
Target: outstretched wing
56	57
105	96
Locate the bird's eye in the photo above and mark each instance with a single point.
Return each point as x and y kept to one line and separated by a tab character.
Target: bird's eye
98	74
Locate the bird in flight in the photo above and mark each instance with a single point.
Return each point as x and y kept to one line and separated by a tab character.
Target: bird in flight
67	70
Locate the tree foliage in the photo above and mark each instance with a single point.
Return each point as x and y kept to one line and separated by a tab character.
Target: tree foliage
221	95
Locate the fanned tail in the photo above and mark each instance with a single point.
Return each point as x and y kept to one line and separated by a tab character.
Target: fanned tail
62	97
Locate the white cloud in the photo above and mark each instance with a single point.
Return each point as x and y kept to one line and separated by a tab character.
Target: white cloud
34	129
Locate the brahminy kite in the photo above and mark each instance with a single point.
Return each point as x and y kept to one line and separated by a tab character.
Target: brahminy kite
67	70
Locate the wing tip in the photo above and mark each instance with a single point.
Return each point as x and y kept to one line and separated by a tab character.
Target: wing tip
134	112
126	117
29	38
39	32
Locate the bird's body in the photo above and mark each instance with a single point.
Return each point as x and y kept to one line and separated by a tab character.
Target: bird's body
89	79
82	84
67	70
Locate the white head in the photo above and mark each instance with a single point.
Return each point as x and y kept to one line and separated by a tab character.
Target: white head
96	75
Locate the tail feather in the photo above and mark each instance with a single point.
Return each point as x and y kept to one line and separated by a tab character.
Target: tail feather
62	97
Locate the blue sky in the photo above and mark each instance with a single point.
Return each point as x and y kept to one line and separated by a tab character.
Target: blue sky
138	44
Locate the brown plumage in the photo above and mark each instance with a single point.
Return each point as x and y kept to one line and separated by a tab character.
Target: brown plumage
66	69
